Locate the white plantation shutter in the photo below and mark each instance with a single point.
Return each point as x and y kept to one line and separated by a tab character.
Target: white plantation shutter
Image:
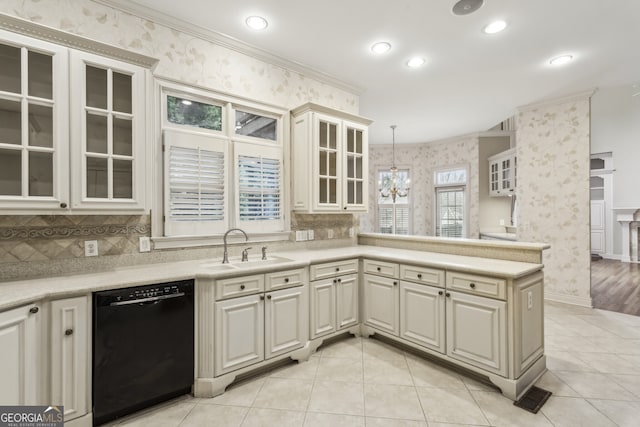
195	181
259	188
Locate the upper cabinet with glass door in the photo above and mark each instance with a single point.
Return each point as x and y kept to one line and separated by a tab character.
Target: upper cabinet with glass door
108	133
33	127
329	160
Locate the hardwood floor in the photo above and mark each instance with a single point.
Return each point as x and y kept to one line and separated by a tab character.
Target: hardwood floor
615	286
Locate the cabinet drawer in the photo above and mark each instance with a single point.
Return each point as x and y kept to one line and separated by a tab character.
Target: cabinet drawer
284	279
428	276
238	286
332	269
478	285
380	268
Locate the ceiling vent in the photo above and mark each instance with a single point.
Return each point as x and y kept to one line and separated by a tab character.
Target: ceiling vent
465	7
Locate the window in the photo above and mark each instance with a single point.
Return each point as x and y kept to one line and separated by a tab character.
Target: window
393	218
450	203
219	176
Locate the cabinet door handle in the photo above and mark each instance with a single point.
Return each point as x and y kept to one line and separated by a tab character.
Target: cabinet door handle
395	283
241	287
339	280
268	296
448	295
335	280
34	310
286	280
63	205
472	285
419	276
262	297
68	332
440	293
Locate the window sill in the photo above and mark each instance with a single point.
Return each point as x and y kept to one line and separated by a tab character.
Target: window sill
177	242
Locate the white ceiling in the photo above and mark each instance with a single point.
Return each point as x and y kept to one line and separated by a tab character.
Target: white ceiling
471	80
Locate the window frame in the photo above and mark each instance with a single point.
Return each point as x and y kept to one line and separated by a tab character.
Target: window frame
409	205
455	186
229	104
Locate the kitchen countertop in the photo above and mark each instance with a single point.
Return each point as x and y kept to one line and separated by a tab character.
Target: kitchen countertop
28	291
500	236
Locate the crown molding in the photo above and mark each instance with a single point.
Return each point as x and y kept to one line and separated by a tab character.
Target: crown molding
576	96
43	32
229	42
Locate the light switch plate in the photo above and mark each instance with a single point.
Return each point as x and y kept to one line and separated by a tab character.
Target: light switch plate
90	248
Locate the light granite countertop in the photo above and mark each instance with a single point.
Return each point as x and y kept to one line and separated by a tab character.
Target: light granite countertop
28	291
500	236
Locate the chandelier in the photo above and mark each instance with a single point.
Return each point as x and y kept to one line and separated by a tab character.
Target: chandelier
391	186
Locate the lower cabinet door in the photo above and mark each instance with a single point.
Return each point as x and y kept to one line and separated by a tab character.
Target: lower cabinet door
19	349
322	307
476	331
347	301
381	303
239	333
69	355
285	321
422	319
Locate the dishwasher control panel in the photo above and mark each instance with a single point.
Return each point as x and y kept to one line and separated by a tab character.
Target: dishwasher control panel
138	293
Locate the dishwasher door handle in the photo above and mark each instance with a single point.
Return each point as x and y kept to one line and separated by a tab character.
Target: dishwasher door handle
144	301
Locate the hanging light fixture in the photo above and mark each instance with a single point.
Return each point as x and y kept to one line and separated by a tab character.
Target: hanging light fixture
391	187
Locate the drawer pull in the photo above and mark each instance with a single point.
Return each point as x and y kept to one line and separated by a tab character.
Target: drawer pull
472	285
419	276
241	287
440	292
68	332
34	310
286	280
337	268
379	269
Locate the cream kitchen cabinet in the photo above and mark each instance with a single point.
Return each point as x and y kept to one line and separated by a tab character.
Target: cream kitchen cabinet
381	303
422	315
503	173
250	329
72	129
329	160
70	355
19	340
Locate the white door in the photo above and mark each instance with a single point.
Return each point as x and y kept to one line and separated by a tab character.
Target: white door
381	303
18	363
239	333
285	321
347	301
598	227
476	331
323	307
422	315
69	355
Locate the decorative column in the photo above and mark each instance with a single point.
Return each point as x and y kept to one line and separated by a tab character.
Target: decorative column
625	216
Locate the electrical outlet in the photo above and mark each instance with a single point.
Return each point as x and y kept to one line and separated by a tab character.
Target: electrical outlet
145	244
352	232
301	235
310	234
529	300
330	233
90	248
502	222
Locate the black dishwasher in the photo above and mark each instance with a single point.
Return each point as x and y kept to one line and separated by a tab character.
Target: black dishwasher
143	347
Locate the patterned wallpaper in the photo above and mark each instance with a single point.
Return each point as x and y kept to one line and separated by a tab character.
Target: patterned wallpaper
422	160
183	57
553	192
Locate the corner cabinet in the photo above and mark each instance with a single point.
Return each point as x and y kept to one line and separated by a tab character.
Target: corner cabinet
502	173
329	160
73	129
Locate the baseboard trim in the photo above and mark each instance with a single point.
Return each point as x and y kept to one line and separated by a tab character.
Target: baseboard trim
611	256
568	299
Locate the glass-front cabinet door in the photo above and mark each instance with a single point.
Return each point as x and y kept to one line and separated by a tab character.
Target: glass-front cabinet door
33	143
108	121
328	167
355	155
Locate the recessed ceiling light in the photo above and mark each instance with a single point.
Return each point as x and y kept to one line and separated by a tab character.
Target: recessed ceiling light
495	27
465	7
415	62
561	60
256	23
381	47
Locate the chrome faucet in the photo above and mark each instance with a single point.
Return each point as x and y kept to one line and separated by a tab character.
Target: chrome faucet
245	254
264	253
225	257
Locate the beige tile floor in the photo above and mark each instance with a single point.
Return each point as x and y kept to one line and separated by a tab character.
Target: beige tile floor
593	358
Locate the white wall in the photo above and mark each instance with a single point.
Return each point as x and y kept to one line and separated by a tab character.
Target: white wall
615	127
